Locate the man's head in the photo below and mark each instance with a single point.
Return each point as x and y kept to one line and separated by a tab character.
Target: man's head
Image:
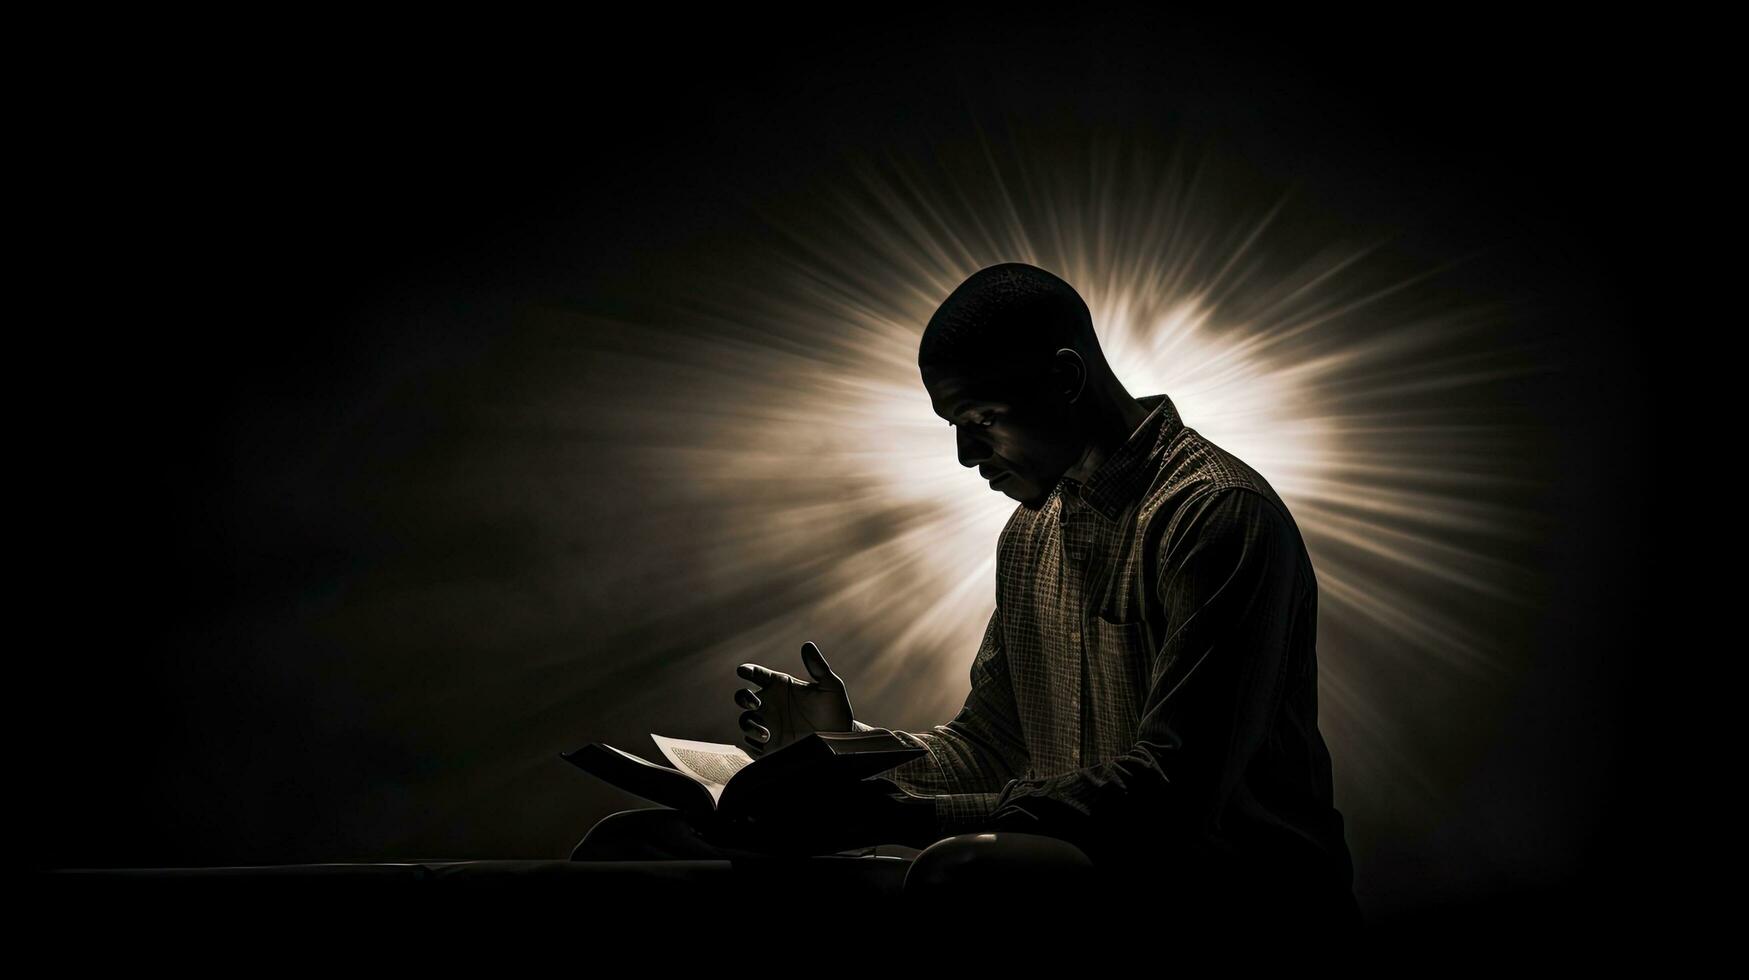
1009	359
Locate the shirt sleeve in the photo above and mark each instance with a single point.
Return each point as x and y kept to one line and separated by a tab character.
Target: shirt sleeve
1229	588
973	757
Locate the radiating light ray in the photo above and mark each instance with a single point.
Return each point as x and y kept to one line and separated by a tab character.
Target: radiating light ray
770	411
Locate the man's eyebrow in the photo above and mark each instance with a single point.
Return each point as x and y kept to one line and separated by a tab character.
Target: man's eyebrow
964	403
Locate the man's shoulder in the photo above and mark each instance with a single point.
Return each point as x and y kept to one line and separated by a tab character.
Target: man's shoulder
1195	473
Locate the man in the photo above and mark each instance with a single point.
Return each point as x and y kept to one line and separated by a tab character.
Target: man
1146	688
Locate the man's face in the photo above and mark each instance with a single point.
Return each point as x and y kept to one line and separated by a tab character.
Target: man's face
1010	427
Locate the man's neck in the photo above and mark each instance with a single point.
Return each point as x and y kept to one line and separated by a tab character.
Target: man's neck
1115	417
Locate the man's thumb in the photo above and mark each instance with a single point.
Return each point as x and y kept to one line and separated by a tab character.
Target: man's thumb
818	669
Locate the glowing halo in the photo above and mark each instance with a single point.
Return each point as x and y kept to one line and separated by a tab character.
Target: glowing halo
771	406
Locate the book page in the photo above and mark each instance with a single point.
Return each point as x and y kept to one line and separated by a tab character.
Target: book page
711	763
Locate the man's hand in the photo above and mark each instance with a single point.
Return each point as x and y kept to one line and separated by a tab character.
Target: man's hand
868	812
787	708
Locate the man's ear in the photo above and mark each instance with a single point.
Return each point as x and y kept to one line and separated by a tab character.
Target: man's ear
1068	375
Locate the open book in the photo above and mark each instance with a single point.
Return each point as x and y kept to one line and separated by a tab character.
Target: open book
710	775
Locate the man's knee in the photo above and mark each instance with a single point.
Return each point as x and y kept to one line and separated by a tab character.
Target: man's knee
999	865
628	831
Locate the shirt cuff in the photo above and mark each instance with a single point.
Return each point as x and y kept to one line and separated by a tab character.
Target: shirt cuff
906	737
964	813
912	740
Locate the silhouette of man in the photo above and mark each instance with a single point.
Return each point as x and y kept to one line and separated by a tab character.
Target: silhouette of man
1145	693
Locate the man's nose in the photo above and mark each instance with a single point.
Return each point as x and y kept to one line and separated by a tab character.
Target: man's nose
973	450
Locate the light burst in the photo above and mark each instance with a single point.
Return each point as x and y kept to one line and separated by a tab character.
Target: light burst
795	484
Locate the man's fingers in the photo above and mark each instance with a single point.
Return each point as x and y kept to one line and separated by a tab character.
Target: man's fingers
818	669
756	735
747	699
763	676
751	720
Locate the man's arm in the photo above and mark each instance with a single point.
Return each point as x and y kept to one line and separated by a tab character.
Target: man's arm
1229	587
974	756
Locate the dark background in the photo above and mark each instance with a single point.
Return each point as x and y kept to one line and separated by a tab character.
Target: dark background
282	235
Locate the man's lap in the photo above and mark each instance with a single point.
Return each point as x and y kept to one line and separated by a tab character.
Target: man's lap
998	869
961	867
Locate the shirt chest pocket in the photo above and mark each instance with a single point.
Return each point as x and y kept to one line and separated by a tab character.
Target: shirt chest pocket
1117	672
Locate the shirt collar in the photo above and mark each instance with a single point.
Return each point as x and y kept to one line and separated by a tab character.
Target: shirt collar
1125	472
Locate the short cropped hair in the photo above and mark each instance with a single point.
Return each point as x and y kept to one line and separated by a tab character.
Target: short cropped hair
1011	314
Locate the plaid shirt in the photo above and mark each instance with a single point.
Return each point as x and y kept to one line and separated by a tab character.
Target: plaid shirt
1147	683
